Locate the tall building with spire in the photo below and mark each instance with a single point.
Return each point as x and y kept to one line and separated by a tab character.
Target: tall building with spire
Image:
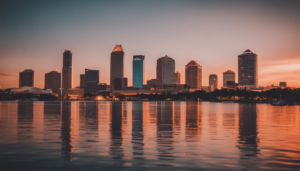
247	66
193	75
138	71
67	70
26	78
165	70
116	64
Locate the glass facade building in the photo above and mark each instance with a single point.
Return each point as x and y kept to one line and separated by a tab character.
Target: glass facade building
116	64
228	76
165	70
247	65
26	78
67	70
213	82
193	75
138	71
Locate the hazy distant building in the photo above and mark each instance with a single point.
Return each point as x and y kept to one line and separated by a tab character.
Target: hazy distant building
125	82
116	64
282	84
53	81
82	80
193	75
67	70
177	77
213	81
228	76
138	71
165	70
247	65
26	78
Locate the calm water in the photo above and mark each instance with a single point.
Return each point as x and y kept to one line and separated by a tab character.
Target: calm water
90	135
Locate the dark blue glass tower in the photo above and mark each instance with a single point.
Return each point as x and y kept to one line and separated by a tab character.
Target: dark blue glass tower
138	70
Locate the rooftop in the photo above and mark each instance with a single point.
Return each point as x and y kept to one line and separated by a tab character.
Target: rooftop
192	63
246	52
229	72
118	48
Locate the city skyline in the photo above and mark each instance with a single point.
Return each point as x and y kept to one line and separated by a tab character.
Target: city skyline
211	33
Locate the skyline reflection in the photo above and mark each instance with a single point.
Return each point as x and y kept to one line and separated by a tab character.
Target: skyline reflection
156	134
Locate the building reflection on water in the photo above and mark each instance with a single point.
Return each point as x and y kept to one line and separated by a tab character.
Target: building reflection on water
91	116
190	135
25	120
193	121
66	146
165	130
137	130
116	149
248	141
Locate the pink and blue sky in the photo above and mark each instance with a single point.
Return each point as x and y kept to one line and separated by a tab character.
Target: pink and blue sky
34	35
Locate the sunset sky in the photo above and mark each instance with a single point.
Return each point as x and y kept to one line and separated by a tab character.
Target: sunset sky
34	35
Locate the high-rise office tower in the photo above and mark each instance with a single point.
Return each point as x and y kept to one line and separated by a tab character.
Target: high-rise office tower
116	64
91	81
82	80
247	65
165	70
193	75
228	76
177	77
213	82
67	70
138	71
53	81
26	78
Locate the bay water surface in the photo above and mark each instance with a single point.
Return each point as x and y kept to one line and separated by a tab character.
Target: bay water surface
155	135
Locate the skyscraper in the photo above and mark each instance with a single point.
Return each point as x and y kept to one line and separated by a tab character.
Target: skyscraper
53	81
193	75
116	64
213	82
26	78
138	71
228	76
91	81
165	70
247	65
67	70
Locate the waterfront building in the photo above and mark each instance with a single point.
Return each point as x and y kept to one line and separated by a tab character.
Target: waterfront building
118	83
193	75
213	82
152	82
67	70
247	66
138	71
165	70
116	64
82	80
228	76
26	78
177	78
53	81
92	82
